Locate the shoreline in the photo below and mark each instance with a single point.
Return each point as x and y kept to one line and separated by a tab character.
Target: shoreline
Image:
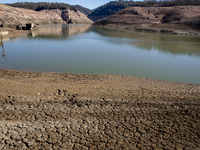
80	111
172	19
13	33
136	84
159	28
75	111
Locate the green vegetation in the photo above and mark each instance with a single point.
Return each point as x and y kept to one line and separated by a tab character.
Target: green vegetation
107	9
42	5
84	10
115	6
164	3
111	8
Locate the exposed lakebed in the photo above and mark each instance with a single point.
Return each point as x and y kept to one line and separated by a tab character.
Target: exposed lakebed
86	49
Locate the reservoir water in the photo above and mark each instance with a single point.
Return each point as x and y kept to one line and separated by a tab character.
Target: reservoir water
86	49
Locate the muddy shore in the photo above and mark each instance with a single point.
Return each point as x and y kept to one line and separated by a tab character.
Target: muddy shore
74	111
12	33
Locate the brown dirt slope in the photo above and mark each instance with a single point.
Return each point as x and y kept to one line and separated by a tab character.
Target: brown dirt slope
68	111
184	19
12	16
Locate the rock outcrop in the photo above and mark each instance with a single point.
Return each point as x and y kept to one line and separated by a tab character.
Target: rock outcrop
12	16
152	18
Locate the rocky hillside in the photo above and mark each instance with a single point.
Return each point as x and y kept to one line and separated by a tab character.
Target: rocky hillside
176	17
12	16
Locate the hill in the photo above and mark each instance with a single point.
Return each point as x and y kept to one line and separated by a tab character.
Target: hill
46	5
176	19
115	6
42	5
12	16
84	10
109	9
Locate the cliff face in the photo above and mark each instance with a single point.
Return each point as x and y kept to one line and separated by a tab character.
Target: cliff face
12	16
151	16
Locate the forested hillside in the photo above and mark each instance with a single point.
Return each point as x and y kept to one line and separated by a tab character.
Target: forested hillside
165	3
42	5
115	6
109	9
105	10
84	10
112	7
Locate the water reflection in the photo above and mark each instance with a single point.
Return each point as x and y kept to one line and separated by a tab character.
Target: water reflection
58	32
171	44
90	50
2	52
164	43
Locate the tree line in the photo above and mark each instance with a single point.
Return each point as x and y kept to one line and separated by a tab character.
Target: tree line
162	3
115	6
107	9
84	10
42	5
111	7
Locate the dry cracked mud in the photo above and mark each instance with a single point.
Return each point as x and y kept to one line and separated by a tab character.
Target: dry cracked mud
67	111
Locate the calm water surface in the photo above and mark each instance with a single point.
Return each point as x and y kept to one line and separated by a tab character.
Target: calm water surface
90	50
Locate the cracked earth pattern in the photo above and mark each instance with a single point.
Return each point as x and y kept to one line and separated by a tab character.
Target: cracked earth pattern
73	123
67	111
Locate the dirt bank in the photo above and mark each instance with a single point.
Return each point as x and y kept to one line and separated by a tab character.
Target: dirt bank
74	111
161	28
12	33
174	20
12	16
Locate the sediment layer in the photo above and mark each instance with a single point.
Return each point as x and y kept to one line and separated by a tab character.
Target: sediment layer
73	111
12	16
174	20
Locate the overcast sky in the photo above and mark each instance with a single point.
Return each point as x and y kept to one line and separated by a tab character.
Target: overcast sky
91	4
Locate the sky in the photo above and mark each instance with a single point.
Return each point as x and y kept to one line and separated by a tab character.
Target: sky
91	4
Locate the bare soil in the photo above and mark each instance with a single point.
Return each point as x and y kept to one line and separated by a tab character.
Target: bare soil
13	16
13	32
174	20
178	29
75	111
